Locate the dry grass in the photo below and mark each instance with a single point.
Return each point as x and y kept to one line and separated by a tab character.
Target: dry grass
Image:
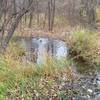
86	47
17	78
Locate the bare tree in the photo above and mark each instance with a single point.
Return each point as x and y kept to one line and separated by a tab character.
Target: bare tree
91	12
51	14
14	21
31	16
75	11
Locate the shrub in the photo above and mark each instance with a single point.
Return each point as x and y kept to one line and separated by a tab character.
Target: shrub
85	47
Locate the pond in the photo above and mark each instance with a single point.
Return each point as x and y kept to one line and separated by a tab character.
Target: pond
39	49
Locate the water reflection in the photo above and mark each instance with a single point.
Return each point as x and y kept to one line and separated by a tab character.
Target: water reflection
40	48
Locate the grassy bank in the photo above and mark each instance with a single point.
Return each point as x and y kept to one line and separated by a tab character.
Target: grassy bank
85	48
26	80
29	81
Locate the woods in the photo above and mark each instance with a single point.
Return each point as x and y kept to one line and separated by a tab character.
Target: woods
49	49
13	11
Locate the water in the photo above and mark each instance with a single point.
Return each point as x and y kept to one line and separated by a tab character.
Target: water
41	48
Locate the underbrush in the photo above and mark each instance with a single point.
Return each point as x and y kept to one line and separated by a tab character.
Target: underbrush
19	81
85	48
29	81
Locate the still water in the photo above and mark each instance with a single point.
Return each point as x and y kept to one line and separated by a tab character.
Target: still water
40	48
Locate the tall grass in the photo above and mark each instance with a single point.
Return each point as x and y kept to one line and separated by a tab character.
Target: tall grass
85	47
20	80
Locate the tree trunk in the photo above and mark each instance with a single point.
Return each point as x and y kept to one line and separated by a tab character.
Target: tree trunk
51	14
11	30
91	13
31	19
